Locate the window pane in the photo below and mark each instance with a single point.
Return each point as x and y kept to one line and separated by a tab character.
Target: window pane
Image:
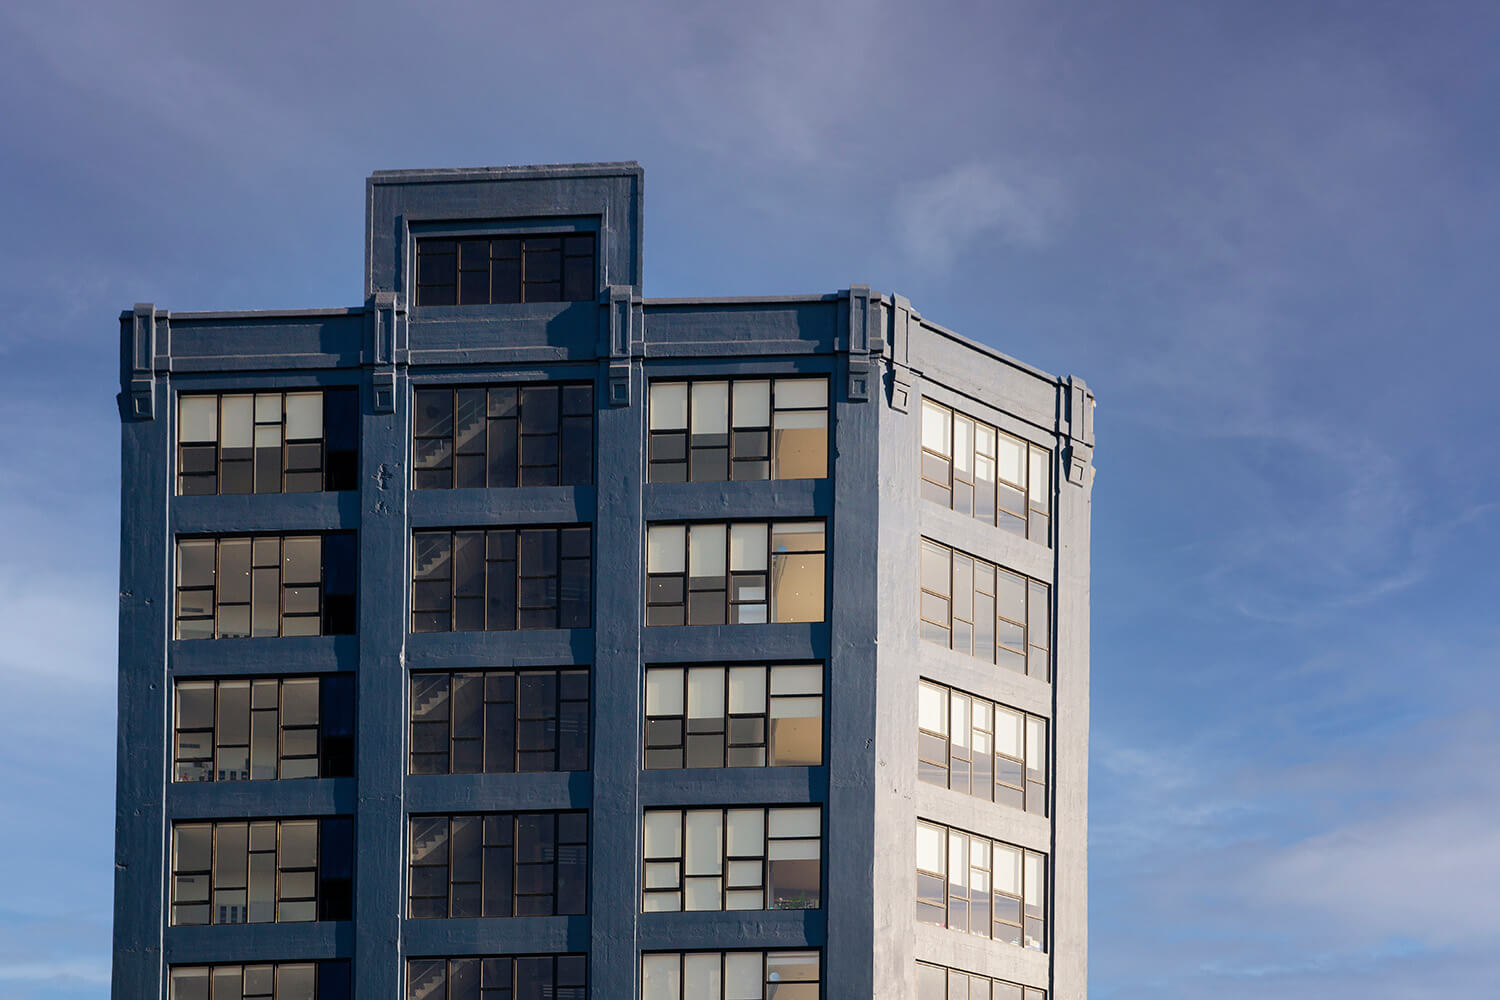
801	393
710	408
198	419
664	692
665	545
706	551
801	445
660	977
747	690
705	693
752	404
663	834
669	406
747	547
747	833
797	588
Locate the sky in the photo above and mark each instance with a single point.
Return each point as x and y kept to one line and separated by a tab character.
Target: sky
1264	233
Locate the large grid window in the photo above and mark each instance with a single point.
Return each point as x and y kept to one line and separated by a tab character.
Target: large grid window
937	982
739	715
980	886
262	871
711	430
499	721
498	977
233	586
981	748
268	442
499	865
733	859
730	975
738	574
985	611
501	579
264	981
985	473
503	269
264	728
503	435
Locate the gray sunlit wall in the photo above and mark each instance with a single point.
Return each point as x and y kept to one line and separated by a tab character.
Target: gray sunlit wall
513	635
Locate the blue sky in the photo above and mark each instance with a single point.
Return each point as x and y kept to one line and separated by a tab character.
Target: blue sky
1264	232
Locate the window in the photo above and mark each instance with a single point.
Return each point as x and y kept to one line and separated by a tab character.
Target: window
498	977
713	430
712	574
985	611
503	435
264	728
468	580
500	721
983	472
556	267
935	982
734	716
499	865
730	975
262	585
981	748
268	442
733	859
281	981
981	886
262	871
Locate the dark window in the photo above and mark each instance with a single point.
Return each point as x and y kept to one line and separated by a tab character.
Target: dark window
264	728
740	573
980	886
232	586
742	975
936	982
262	871
985	473
499	865
498	977
486	270
503	435
500	721
261	981
734	716
768	428
732	858
981	748
268	442
985	611
501	579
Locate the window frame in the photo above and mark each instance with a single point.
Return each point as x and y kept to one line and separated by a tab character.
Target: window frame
332	733
664	437
330	833
560	678
477	586
335	609
571	287
775	563
1032	792
509	864
766	744
338	409
482	966
1031	915
957	601
940	473
330	978
502	435
766	955
993	986
726	860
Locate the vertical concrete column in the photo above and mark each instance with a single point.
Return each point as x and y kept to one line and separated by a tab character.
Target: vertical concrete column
619	575
142	841
1073	476
849	847
380	683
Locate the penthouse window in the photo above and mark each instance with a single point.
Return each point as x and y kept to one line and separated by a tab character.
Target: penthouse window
730	975
980	886
268	442
498	865
556	267
981	748
262	871
734	716
711	430
498	977
264	981
262	729
741	573
985	611
233	586
503	435
499	721
501	579
732	859
936	982
985	473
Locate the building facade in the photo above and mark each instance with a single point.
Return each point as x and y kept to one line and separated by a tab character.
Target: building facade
513	635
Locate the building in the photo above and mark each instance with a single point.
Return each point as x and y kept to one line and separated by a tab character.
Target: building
514	635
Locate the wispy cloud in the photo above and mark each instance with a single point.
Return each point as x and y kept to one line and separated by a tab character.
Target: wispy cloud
942	215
